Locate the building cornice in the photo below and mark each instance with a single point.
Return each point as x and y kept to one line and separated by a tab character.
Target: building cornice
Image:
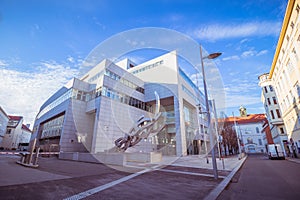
285	23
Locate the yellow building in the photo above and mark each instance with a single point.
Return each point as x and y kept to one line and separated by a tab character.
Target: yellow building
285	73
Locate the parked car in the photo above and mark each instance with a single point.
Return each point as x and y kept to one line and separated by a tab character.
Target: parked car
275	151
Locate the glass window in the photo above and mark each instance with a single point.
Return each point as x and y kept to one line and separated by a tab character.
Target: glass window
83	96
52	128
266	90
281	130
108	92
74	94
126	99
272	114
278	113
274	100
269	102
271	88
259	142
250	140
257	130
79	94
8	131
104	91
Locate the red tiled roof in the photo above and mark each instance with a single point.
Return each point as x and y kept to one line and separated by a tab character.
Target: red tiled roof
252	118
26	128
15	117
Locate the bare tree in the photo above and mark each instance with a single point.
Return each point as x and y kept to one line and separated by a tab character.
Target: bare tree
229	141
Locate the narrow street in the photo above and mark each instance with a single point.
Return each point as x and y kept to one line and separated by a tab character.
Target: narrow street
261	178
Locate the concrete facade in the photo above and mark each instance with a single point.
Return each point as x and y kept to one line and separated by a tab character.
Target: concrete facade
90	113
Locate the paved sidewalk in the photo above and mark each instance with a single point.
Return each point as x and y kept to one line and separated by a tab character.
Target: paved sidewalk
69	178
12	173
295	160
227	163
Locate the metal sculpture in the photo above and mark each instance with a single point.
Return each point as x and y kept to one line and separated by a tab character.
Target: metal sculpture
141	129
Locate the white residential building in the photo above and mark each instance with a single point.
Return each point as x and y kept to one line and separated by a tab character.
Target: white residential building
3	124
17	134
249	130
285	74
273	112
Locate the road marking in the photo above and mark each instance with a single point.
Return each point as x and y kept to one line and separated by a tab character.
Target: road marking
126	178
189	173
108	185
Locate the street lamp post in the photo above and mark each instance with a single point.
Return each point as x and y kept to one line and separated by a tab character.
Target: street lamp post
210	56
216	126
200	130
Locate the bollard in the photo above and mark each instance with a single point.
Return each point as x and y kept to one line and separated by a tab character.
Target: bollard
223	163
31	151
36	156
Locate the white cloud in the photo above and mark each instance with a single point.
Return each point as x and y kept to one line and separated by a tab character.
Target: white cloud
242	92
220	31
70	59
262	52
252	52
235	57
3	63
244	41
22	93
248	53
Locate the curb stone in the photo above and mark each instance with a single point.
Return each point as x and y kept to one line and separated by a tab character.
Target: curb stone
295	160
217	191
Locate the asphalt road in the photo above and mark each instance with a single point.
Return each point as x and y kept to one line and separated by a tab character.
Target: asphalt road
261	178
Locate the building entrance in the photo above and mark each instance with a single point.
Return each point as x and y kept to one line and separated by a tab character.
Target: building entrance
196	147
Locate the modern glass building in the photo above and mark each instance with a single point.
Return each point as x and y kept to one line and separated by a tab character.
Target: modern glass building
88	114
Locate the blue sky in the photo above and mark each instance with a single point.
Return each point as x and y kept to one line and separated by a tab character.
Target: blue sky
43	43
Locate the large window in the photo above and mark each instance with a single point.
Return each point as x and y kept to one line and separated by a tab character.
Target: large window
124	81
123	98
53	127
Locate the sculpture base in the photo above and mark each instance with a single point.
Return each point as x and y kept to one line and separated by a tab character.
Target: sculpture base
27	165
120	159
150	157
